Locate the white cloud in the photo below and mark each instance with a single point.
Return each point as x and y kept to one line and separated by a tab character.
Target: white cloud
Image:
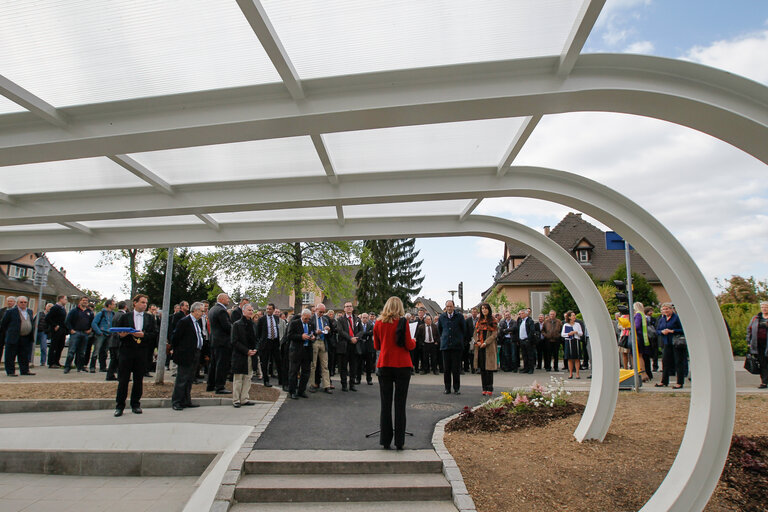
745	55
489	249
644	47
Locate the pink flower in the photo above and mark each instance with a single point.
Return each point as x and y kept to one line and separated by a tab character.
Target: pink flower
520	400
537	387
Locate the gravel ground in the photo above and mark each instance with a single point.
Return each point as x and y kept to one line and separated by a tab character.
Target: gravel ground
545	468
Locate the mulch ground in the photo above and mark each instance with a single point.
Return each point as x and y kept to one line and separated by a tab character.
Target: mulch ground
502	420
79	390
543	468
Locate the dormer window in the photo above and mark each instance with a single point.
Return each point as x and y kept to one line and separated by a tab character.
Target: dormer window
584	256
19	272
583	251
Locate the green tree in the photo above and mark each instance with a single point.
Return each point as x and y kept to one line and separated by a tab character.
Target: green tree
641	290
291	266
184	285
500	303
559	299
740	290
96	298
388	268
128	257
608	293
738	317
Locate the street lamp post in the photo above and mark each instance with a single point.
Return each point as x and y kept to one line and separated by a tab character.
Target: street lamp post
42	268
452	292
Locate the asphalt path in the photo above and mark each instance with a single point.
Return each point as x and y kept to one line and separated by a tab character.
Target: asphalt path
340	421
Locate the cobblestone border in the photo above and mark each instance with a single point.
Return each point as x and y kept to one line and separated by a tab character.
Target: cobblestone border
226	493
461	497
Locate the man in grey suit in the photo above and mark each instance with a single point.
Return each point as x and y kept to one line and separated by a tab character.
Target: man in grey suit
221	346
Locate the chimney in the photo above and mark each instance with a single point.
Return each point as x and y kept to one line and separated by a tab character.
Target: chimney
546	230
63	272
578	215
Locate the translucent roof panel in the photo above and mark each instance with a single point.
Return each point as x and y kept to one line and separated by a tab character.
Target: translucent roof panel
33	227
7	106
324	212
450	207
432	146
340	37
86	51
271	158
175	220
66	175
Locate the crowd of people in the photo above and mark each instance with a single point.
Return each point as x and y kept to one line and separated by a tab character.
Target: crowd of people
306	350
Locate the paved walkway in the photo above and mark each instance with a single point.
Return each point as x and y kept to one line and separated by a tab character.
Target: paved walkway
57	493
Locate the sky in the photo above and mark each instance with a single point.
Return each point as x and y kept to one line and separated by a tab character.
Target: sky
710	195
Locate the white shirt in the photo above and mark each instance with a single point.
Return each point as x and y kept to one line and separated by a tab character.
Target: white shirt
199	334
271	327
24	313
523	331
138	321
428	335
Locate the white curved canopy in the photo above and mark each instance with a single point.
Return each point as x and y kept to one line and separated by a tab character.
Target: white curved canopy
151	123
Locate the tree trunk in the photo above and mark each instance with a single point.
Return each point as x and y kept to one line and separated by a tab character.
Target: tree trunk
298	301
132	270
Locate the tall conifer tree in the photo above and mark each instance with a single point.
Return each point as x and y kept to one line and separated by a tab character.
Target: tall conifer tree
389	268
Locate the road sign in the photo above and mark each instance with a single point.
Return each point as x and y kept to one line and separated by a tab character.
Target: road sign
614	242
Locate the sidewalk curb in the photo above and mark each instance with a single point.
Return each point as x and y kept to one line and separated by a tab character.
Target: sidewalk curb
226	493
461	498
93	404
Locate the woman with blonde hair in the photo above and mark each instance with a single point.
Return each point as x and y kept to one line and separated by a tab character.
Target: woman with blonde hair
392	336
643	342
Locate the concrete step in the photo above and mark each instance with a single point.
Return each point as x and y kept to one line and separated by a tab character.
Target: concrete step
326	488
369	506
324	462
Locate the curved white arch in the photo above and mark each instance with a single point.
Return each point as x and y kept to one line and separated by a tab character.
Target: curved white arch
721	104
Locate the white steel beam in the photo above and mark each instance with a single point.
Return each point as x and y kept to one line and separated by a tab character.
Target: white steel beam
138	170
37	106
340	215
721	104
582	27
5	198
521	137
469	208
257	17
325	158
210	221
76	226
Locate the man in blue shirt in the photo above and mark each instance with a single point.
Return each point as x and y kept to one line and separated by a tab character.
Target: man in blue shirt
101	325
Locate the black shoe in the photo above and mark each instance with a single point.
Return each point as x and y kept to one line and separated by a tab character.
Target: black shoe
370	383
285	388
92	370
29	373
210	390
177	408
13	374
294	396
66	370
457	392
236	405
548	369
399	448
147	374
312	389
386	447
353	388
223	392
192	405
447	392
762	386
328	390
102	370
249	403
118	413
303	395
344	389
110	378
267	385
136	410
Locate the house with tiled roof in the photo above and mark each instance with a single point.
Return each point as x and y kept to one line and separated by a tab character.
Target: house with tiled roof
521	277
17	271
313	293
432	307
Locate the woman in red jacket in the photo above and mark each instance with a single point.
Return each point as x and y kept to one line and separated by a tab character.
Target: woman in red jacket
392	337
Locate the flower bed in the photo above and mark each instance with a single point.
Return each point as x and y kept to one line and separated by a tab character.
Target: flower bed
744	481
518	408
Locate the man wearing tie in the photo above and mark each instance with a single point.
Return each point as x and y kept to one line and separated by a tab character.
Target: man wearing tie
320	349
368	357
268	334
347	348
221	346
132	353
186	344
300	335
426	334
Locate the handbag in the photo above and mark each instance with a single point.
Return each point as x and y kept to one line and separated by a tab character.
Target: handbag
752	364
624	342
678	340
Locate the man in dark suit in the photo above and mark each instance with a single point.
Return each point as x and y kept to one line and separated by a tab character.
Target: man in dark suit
132	354
186	344
452	327
525	333
469	332
300	335
540	342
10	303
368	357
348	350
237	311
18	325
268	336
177	316
57	331
221	346
510	360
427	335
